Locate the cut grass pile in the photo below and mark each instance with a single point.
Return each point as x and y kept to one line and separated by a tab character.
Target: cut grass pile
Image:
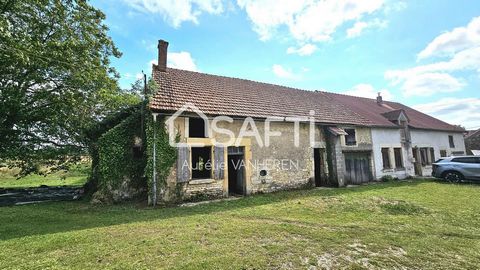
402	225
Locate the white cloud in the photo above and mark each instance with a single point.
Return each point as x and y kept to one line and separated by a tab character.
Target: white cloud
368	91
176	12
180	60
427	84
395	6
306	20
304	50
454	41
457	111
358	28
464	55
283	73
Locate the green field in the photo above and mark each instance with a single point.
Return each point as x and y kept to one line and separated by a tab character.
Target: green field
402	225
76	176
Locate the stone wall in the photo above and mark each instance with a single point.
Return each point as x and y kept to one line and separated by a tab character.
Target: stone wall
287	166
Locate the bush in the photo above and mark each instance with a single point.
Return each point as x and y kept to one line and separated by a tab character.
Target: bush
387	178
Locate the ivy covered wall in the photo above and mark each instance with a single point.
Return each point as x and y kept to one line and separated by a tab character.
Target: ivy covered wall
121	161
122	157
166	156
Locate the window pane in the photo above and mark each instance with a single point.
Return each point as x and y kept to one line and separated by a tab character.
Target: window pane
451	142
201	162
196	128
398	157
350	138
465	160
386	158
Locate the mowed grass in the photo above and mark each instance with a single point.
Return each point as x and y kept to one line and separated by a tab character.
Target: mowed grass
76	176
402	225
36	180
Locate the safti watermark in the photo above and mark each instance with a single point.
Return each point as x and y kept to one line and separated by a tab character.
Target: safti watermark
249	128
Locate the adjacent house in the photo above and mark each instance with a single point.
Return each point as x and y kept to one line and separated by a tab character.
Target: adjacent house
472	142
295	138
405	141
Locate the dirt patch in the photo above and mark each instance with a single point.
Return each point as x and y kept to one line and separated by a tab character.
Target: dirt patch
356	256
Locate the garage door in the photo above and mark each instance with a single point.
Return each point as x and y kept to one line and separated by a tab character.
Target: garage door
357	168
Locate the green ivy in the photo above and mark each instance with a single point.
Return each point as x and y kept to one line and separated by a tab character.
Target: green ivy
116	160
166	155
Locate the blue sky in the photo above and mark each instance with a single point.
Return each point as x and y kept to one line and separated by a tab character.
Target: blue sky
425	54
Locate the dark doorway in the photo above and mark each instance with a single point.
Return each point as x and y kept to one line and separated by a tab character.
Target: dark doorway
318	161
236	171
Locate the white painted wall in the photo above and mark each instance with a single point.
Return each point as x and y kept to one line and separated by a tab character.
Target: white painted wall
390	138
439	141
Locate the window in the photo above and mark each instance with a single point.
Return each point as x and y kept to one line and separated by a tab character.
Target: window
465	160
350	137
201	162
398	157
427	155
450	141
443	153
386	158
196	128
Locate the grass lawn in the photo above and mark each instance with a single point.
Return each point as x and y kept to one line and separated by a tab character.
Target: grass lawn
419	224
77	176
37	180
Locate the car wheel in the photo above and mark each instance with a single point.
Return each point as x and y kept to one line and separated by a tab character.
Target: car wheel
453	177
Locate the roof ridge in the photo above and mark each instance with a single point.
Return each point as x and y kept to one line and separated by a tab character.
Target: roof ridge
347	95
473	133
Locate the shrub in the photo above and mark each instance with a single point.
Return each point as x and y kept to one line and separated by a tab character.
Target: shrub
387	178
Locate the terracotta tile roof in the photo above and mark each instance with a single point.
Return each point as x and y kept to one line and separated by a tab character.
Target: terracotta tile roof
218	95
370	109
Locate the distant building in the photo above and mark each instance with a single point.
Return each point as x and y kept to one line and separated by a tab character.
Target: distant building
472	142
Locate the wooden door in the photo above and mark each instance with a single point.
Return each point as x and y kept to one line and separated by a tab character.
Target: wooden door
357	168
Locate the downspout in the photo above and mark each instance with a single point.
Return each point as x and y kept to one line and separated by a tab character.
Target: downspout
154	177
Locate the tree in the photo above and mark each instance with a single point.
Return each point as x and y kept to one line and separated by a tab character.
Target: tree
55	79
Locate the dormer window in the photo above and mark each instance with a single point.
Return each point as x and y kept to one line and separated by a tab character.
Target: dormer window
196	128
350	138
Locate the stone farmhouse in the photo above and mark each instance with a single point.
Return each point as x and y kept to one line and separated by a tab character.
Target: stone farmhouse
355	140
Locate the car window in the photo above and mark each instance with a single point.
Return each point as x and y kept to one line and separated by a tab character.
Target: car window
465	160
439	160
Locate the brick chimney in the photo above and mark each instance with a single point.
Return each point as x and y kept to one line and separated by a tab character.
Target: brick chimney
162	55
379	99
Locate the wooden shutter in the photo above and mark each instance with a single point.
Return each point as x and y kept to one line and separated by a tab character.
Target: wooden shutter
219	162
183	164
